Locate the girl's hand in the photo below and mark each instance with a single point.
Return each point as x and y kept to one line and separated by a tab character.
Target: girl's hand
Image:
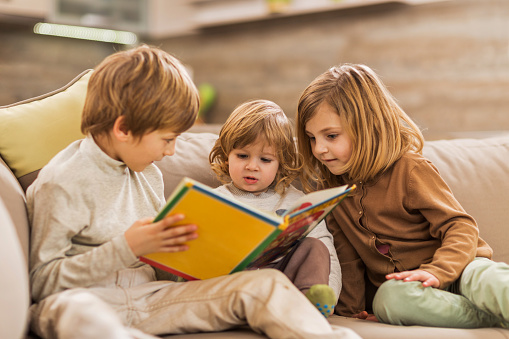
365	316
145	237
427	279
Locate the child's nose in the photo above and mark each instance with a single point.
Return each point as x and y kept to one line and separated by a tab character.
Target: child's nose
252	165
170	150
320	148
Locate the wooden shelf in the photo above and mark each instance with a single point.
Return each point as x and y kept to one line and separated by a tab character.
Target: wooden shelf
214	13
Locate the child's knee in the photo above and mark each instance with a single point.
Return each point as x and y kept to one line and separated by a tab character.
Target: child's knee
314	245
76	313
263	281
394	299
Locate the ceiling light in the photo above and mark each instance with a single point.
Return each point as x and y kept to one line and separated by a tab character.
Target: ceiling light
86	33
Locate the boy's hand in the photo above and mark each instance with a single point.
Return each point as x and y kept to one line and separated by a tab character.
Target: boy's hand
427	279
145	237
365	316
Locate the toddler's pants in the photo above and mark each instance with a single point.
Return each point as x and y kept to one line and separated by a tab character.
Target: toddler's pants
132	304
307	264
479	298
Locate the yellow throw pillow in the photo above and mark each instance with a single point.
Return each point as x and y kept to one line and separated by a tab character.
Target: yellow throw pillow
34	130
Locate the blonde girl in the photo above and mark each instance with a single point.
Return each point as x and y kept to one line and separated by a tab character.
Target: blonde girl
409	252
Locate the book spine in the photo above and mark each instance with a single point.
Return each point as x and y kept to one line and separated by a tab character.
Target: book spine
174	200
167	269
257	251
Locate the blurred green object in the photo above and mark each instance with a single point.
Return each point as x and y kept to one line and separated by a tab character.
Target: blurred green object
207	98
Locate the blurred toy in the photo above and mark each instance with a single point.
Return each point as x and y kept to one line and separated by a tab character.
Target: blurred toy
207	94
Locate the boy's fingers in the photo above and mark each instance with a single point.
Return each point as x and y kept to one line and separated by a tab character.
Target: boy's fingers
179	240
176	231
170	220
176	248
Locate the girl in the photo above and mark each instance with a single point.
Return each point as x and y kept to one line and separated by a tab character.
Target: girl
255	157
401	234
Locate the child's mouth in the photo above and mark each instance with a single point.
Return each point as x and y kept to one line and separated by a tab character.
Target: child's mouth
250	180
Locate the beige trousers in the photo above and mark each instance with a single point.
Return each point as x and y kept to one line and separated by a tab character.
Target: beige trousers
132	305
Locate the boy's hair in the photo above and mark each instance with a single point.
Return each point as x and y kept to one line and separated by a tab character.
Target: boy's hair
249	122
380	131
148	87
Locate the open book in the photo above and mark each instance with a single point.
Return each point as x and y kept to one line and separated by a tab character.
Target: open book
233	236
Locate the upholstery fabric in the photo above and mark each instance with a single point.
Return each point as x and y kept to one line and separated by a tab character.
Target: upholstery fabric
34	130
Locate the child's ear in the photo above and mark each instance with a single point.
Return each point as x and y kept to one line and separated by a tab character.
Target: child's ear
120	130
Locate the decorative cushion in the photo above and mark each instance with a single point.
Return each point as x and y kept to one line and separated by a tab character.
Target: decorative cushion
34	130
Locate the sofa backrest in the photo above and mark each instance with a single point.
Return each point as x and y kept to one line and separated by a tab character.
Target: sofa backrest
477	171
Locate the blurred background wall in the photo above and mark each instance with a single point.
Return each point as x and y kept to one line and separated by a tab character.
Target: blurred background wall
447	63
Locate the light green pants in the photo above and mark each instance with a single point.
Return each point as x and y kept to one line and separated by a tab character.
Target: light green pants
479	298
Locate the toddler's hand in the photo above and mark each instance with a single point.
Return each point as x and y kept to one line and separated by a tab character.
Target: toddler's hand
145	237
427	279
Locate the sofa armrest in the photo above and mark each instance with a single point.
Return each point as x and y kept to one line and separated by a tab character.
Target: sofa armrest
14	290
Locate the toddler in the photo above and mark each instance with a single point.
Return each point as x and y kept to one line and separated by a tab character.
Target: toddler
255	156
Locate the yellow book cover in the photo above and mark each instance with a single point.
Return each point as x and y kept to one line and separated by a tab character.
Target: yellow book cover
233	236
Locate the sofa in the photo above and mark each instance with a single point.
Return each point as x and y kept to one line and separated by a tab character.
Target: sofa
32	131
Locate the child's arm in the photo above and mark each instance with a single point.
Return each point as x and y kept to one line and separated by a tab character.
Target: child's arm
143	237
457	231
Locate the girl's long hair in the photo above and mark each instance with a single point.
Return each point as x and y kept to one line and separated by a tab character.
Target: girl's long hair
380	131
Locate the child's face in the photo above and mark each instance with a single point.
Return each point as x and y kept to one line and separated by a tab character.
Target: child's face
329	142
253	168
138	154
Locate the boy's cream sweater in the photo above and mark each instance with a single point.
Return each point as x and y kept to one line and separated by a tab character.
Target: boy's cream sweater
79	207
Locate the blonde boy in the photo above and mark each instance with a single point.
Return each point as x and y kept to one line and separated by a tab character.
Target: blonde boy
91	210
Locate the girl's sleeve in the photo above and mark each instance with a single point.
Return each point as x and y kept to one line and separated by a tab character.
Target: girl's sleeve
352	297
448	222
56	218
321	233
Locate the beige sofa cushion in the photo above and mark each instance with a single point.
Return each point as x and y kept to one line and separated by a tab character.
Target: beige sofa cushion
190	160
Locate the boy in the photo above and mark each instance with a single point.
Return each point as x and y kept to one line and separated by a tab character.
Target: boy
86	278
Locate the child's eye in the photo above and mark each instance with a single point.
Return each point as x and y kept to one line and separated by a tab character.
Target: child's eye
242	156
266	160
332	136
169	140
311	139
